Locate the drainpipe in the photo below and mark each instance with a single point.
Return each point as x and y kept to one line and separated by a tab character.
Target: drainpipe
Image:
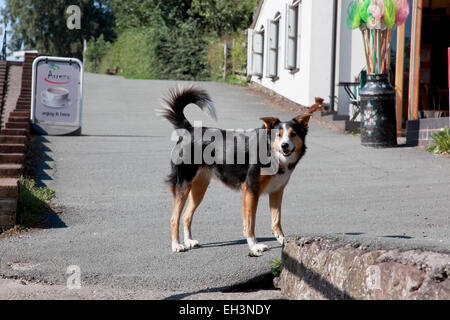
333	55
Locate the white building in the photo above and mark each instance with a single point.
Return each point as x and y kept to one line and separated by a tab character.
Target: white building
290	50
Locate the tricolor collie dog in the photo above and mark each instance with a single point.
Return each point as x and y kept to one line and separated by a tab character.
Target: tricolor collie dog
236	166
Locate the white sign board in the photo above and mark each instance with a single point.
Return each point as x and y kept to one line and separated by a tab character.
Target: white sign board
57	95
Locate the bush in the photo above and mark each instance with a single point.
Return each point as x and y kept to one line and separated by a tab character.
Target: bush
239	53
158	53
215	58
134	53
182	54
95	51
236	58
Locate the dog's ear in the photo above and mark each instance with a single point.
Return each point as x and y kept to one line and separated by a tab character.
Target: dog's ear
270	122
318	100
303	119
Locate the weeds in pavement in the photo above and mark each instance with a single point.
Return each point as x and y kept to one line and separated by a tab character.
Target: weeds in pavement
441	142
32	202
276	267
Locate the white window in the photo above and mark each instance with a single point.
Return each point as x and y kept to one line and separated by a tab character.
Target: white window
272	54
256	48
292	57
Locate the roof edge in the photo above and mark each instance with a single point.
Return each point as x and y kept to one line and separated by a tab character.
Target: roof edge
257	13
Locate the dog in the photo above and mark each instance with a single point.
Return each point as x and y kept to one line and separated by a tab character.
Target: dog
190	179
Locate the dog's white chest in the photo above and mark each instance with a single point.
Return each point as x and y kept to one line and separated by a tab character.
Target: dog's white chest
277	181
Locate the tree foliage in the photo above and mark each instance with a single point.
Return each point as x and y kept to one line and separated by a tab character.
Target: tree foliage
166	39
42	25
96	50
223	16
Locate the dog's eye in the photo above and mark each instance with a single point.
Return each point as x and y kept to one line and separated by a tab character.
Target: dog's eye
293	134
279	135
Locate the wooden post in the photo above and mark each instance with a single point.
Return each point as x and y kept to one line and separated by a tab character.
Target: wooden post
399	72
414	68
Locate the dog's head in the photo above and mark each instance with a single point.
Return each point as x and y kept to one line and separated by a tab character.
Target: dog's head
289	140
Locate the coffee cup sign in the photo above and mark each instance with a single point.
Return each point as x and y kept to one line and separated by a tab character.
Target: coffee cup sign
57	93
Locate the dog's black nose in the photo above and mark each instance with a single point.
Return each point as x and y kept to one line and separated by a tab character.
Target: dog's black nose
284	145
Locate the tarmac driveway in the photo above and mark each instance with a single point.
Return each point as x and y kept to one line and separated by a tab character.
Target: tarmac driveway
116	208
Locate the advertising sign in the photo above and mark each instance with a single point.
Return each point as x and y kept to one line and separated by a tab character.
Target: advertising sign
56	96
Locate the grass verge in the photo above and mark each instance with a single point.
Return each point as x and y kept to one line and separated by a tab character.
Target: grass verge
33	202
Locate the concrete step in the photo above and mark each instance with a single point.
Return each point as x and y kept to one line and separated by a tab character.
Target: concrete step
13	148
12	157
335	117
11	170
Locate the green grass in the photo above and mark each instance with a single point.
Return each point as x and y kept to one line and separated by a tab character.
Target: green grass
32	202
276	267
232	79
441	142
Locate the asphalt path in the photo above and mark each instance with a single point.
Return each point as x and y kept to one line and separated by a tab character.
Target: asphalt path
115	215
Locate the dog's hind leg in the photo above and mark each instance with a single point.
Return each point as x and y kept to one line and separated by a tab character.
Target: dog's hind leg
249	207
180	195
275	211
198	189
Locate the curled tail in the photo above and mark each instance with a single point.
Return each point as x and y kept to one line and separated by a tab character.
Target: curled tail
179	98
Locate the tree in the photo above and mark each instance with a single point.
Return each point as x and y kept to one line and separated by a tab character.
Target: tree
96	50
224	16
41	25
145	13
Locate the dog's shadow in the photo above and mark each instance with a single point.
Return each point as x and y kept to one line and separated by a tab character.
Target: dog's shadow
233	242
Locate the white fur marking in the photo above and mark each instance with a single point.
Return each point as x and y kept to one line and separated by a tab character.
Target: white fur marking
256	248
188	241
278	181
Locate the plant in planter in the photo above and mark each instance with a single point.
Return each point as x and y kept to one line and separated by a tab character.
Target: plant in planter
376	19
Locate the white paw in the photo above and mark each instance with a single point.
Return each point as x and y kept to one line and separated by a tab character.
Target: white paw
258	249
189	243
177	247
280	239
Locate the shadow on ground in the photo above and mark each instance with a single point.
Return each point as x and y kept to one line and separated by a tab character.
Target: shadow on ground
37	161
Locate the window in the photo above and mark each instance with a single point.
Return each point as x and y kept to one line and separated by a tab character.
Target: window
272	59
257	53
292	36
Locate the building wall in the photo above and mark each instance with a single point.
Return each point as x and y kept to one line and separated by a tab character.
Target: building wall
350	57
313	77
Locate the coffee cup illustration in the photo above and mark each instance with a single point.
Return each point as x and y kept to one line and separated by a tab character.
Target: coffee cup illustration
55	97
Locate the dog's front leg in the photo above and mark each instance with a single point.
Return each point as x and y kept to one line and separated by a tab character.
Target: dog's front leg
249	206
275	199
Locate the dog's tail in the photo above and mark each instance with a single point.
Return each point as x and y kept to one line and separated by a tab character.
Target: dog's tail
179	98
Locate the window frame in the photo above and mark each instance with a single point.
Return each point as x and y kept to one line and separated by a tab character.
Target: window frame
295	38
273	47
261	33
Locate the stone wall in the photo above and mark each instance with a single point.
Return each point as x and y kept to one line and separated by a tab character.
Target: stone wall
317	268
